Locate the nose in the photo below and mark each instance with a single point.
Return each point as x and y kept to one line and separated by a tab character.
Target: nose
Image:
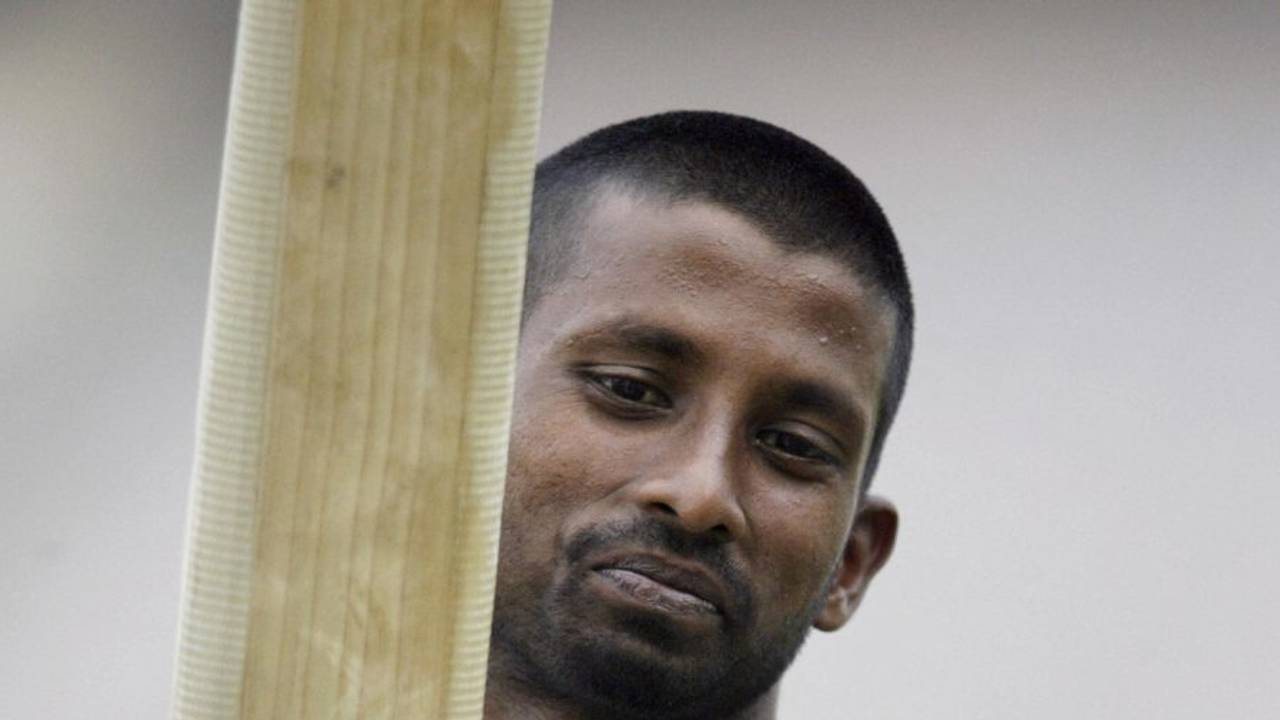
693	485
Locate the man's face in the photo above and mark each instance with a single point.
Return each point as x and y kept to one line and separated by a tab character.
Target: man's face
693	410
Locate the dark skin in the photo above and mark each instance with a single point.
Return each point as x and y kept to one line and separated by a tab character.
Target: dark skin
693	409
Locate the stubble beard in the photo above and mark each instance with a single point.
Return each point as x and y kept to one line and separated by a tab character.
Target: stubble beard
628	672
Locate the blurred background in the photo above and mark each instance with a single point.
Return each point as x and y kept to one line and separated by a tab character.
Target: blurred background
1088	457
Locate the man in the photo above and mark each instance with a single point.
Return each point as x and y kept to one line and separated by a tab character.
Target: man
716	336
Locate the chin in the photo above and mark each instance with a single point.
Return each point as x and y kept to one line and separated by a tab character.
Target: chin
645	668
628	679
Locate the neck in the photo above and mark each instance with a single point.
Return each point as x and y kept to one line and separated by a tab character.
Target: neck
510	698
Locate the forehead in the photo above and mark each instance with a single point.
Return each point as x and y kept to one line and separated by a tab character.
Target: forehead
649	252
712	275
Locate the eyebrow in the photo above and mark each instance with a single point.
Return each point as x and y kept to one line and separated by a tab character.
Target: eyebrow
645	337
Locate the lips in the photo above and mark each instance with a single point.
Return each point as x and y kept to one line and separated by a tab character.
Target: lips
664	583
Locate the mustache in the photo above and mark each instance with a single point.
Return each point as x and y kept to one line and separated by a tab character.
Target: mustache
652	534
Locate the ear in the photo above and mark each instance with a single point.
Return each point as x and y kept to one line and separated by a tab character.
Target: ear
875	527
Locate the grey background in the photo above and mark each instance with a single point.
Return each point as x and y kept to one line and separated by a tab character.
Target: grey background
1088	458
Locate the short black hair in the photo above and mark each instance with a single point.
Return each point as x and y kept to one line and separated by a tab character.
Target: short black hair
801	197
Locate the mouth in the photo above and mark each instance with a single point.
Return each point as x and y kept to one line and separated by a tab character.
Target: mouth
663	585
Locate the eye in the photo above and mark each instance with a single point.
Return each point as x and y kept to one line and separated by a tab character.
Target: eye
629	391
794	446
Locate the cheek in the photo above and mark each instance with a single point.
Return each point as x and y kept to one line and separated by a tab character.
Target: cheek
803	544
556	465
557	480
537	491
536	481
